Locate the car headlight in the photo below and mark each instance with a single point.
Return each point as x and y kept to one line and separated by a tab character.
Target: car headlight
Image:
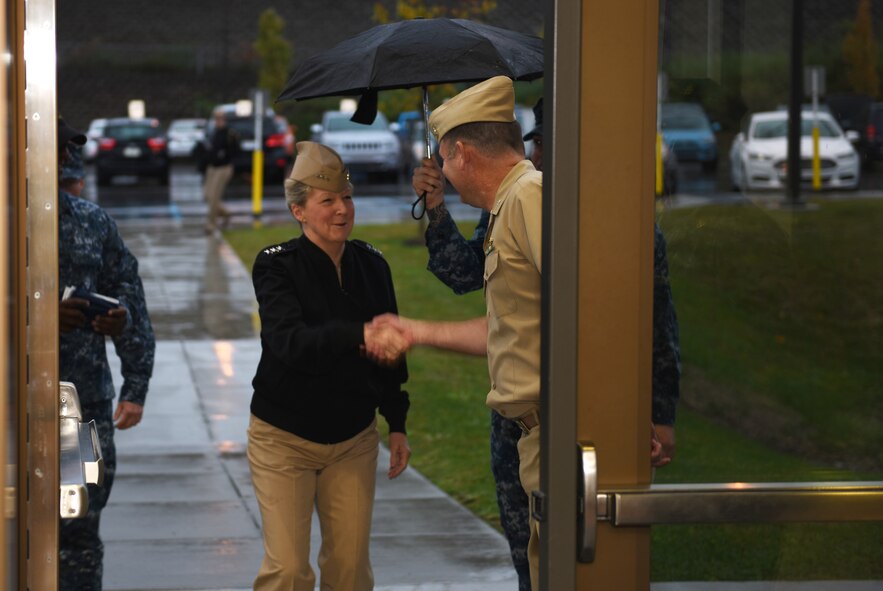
845	155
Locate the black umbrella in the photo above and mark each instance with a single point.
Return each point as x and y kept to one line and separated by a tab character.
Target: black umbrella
414	53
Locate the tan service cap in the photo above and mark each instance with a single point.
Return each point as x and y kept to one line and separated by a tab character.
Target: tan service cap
320	167
491	100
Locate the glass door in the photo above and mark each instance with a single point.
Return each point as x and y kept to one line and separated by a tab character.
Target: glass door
775	276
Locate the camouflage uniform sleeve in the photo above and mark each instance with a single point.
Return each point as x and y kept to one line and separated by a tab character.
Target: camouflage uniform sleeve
136	345
666	340
395	401
456	261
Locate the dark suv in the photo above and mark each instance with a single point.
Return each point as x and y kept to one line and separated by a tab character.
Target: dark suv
135	147
278	143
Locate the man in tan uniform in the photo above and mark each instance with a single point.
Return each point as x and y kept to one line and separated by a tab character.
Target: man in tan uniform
483	151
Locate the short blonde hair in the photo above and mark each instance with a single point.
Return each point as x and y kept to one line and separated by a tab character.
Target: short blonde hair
297	192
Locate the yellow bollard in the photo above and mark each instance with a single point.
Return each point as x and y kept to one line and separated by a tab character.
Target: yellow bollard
660	175
816	161
257	186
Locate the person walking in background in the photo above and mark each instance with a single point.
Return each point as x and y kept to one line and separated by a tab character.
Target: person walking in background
312	437
92	256
222	147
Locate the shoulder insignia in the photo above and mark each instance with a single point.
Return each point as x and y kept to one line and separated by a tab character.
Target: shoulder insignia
277	248
369	247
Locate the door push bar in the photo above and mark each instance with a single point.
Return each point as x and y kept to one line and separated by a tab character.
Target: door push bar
80	459
731	502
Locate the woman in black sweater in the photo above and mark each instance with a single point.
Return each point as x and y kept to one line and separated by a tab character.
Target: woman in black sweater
312	439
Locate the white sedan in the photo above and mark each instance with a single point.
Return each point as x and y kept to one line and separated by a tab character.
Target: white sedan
759	154
183	136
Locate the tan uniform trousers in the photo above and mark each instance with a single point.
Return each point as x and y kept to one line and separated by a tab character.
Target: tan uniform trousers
290	476
216	180
529	472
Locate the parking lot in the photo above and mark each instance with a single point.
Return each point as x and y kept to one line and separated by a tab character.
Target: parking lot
185	188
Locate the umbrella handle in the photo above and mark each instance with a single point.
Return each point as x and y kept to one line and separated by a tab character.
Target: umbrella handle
421	199
426	121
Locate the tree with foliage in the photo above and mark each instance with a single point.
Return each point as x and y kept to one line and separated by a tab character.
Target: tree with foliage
860	53
408	9
393	102
274	52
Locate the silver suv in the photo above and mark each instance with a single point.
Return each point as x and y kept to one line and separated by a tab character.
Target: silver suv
363	148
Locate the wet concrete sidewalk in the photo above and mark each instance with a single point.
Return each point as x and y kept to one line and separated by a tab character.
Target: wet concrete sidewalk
182	514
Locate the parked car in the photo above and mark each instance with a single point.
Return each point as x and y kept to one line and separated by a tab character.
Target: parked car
525	117
96	128
759	153
370	148
688	131
414	145
184	135
278	142
132	147
409	127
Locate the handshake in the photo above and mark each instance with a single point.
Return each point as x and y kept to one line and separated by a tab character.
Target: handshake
387	338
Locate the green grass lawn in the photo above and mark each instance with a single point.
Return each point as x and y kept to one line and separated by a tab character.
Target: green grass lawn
780	319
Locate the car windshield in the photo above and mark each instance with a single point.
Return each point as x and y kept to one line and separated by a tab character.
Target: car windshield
682	119
778	128
131	132
185	125
343	123
244	126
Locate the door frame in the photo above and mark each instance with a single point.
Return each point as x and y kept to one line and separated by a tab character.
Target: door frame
599	211
559	336
38	292
597	343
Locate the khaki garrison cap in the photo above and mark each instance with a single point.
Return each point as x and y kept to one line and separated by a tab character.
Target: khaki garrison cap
320	167
491	100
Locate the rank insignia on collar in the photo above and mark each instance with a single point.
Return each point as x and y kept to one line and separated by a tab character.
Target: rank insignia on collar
273	249
489	248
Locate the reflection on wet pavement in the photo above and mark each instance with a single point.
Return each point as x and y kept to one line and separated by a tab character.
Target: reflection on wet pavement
195	285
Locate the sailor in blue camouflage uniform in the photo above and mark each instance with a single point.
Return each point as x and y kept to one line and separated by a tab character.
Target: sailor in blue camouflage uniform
459	263
92	255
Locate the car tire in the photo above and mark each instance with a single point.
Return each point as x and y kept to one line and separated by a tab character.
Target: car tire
709	166
163	178
102	178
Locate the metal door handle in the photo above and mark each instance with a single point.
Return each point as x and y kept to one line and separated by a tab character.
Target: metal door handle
587	500
730	502
80	459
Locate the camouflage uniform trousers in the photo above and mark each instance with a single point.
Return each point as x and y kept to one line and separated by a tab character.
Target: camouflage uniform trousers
80	551
511	498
